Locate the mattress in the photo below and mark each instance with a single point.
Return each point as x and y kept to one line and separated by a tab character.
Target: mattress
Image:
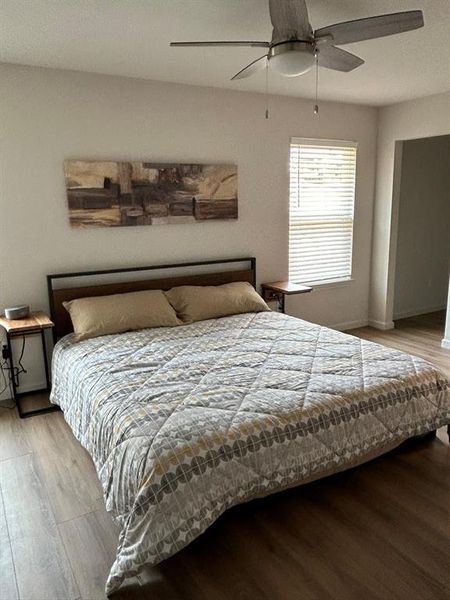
183	423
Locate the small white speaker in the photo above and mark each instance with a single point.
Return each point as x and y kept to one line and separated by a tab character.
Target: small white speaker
17	312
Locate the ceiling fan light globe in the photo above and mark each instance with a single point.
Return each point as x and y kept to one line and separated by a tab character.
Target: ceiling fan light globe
292	59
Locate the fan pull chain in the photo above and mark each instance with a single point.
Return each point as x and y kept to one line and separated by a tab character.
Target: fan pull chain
267	89
316	105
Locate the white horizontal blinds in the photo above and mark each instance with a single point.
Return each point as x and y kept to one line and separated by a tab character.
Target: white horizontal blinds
321	202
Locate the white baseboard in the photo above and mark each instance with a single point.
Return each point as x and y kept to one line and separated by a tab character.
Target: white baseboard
446	343
349	325
383	325
414	312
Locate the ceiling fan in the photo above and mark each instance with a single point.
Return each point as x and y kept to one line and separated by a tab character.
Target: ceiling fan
295	47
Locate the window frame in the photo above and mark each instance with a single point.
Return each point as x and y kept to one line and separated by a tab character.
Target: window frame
326	142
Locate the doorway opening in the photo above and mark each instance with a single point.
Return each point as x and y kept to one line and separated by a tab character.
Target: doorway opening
421	284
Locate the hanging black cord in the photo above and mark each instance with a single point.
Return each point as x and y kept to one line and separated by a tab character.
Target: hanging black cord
6	383
21	368
13	372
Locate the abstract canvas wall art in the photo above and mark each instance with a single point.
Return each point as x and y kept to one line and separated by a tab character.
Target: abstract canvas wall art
114	194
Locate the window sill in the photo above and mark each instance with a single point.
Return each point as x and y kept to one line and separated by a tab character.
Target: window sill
324	285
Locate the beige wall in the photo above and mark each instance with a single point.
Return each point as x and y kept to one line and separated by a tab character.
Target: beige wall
49	115
423	241
420	118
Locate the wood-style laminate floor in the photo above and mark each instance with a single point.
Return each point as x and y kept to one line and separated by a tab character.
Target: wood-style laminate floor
380	531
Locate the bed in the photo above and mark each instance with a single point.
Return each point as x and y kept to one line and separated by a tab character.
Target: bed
182	423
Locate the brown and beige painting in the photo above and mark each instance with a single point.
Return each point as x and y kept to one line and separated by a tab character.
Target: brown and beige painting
115	194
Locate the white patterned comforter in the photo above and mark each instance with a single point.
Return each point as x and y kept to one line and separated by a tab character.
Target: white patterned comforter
183	423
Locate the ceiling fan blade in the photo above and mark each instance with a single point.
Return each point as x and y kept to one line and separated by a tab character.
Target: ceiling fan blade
290	20
373	27
338	59
238	43
256	65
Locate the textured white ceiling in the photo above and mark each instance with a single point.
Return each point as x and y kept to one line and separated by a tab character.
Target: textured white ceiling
131	38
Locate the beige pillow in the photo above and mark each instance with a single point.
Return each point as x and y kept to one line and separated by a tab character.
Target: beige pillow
196	302
102	315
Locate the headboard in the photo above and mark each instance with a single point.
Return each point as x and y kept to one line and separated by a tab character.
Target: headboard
58	294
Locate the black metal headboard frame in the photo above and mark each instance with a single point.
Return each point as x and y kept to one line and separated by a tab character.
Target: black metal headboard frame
58	276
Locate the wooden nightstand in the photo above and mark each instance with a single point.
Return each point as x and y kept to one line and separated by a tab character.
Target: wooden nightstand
278	290
35	324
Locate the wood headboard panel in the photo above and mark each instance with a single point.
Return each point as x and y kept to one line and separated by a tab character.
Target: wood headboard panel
58	295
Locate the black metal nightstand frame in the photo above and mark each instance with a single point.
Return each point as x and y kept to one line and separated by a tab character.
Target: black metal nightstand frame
17	396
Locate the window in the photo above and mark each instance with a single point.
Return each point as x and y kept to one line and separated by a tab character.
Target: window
321	202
